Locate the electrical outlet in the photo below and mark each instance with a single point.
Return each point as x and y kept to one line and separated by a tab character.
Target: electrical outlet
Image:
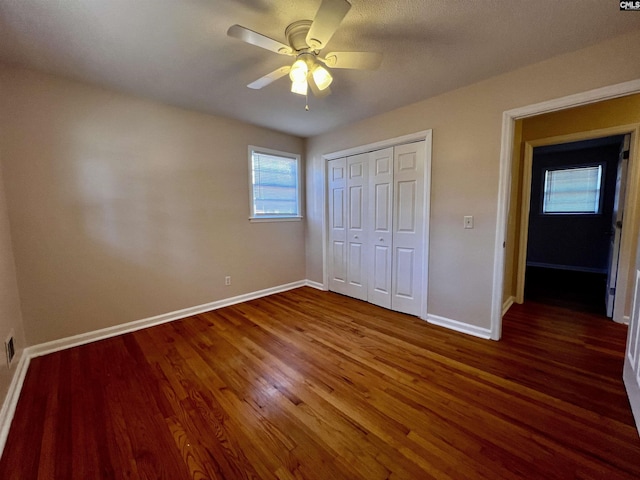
227	280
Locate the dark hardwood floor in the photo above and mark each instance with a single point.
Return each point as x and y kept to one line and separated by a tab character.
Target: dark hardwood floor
314	385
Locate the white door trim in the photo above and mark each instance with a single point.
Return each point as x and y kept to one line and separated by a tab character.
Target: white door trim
504	186
427	136
371	147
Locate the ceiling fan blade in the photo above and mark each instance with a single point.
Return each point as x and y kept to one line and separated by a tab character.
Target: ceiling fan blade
259	40
315	90
327	21
269	78
354	60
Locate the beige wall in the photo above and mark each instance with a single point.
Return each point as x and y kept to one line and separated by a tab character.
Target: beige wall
597	116
466	127
122	208
10	314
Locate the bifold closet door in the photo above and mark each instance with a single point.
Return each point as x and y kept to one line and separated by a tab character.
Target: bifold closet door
376	227
380	226
408	228
347	217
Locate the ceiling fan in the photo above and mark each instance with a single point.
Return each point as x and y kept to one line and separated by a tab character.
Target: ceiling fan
306	39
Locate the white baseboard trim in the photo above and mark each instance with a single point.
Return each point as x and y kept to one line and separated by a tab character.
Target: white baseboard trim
507	304
11	400
13	394
316	285
625	320
83	338
459	326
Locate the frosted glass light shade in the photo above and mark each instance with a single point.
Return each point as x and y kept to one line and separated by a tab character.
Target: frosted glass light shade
322	77
300	87
299	71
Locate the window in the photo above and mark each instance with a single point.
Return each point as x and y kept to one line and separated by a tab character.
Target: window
572	190
274	184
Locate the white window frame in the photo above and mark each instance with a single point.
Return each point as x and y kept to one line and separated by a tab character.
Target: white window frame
253	217
601	179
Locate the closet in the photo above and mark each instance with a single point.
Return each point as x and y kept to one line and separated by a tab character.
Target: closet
376	234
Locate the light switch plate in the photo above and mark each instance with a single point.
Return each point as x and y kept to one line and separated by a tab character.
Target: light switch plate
468	221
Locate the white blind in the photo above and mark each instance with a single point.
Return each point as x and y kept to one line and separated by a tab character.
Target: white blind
275	185
572	190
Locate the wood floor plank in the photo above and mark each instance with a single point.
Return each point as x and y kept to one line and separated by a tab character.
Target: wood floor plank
313	385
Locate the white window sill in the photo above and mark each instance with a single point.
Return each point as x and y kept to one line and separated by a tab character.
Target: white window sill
274	219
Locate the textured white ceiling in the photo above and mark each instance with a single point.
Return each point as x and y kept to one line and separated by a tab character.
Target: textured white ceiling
177	51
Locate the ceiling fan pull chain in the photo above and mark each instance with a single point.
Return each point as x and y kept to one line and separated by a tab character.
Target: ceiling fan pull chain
306	107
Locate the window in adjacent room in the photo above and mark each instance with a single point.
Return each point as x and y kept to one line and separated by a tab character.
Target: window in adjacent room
572	190
274	184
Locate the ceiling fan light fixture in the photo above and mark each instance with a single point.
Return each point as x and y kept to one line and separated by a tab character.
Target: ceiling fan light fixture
300	87
322	77
299	71
305	41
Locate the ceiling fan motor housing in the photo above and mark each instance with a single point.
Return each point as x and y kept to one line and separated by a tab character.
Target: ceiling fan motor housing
296	34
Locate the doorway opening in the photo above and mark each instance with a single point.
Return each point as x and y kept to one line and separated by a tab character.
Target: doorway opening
574	224
605	111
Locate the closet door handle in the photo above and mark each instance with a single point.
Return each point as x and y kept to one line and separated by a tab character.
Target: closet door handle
381	239
355	237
